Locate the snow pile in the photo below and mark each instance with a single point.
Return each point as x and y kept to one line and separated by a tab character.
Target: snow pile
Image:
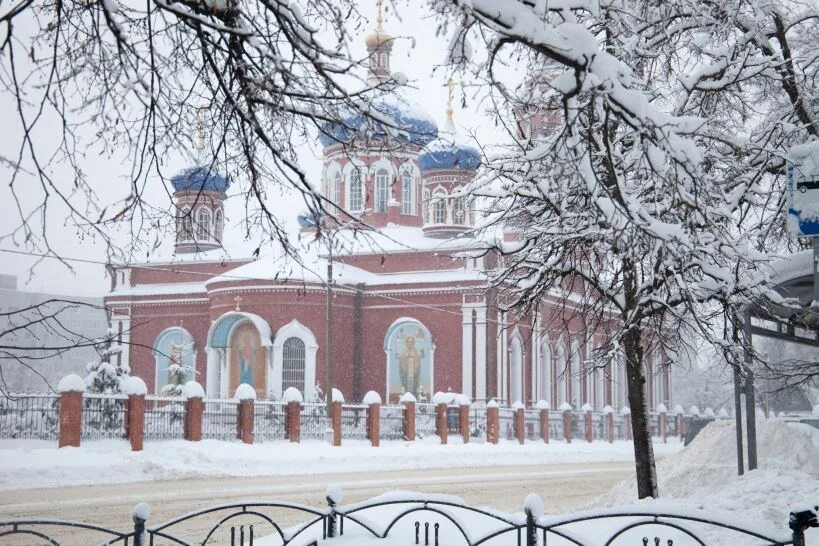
71	383
292	394
134	386
192	389
245	392
542	405
704	474
407	397
337	395
533	505
371	398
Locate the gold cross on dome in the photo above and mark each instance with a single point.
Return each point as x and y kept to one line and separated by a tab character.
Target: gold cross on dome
380	19
449	111
238	300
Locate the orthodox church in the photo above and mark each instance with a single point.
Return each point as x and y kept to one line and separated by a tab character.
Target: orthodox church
410	308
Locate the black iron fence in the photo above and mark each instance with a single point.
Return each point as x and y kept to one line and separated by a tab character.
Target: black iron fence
268	421
30	416
219	419
419	519
103	417
164	418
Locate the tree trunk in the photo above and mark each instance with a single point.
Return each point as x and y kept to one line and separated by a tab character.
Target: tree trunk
643	449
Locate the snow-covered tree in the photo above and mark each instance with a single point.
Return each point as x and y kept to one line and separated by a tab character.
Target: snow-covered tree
644	177
105	376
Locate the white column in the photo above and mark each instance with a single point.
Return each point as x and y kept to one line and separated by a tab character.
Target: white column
480	352
224	373
502	356
466	350
212	372
277	351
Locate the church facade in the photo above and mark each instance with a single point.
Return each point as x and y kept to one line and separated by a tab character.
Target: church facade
411	311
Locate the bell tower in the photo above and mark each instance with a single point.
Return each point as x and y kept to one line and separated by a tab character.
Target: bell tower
379	47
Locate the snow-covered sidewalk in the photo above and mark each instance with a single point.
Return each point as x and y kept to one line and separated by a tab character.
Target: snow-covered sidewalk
29	464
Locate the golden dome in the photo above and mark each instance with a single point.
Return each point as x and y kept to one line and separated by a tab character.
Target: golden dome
379	37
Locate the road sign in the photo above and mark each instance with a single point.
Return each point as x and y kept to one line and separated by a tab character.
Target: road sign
803	190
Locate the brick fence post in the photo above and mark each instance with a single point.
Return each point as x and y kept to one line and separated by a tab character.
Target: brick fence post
609	412
543	406
588	421
71	388
246	395
409	416
567	422
136	420
463	421
662	411
678	419
292	421
520	429
441	421
194	410
136	390
627	421
336	421
492	422
374	424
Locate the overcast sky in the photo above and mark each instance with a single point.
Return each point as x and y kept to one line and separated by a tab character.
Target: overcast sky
416	53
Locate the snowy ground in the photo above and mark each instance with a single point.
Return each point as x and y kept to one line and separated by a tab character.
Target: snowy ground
32	464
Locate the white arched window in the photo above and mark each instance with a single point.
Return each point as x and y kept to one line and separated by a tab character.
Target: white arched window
561	369
218	224
575	396
293	361
382	190
407	193
545	375
185	225
335	195
459	211
516	370
356	191
203	224
439	209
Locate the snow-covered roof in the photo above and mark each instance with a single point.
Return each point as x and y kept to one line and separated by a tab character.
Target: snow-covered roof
793	266
451	150
160	289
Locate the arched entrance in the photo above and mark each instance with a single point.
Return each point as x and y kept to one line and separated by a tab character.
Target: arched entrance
239	352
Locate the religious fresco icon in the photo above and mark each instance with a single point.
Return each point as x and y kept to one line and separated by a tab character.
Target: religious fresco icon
409	353
175	359
248	359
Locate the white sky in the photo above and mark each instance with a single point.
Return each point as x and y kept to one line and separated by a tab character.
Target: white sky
416	53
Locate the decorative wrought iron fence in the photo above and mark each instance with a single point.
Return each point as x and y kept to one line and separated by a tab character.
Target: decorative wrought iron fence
425	420
103	417
453	425
164	418
477	422
392	422
314	421
268	421
531	423
354	421
506	423
219	419
30	416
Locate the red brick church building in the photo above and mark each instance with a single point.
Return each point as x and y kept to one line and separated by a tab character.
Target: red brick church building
411	311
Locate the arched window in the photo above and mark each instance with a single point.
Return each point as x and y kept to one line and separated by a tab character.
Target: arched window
382	190
516	370
356	192
425	206
336	191
185	225
218	226
293	358
545	390
439	209
459	211
203	224
407	193
175	358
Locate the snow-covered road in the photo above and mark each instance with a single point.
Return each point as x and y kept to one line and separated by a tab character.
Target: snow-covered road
564	487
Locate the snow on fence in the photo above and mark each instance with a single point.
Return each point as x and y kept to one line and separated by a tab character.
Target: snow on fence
103	417
477	422
219	419
506	423
314	421
392	422
30	416
354	421
164	418
531	424
268	421
424	420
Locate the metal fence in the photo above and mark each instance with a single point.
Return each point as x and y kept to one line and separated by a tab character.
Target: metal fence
392	422
164	418
219	419
424	420
314	421
506	423
531	424
354	421
268	421
477	422
103	417
30	416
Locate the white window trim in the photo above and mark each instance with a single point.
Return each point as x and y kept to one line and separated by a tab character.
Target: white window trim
295	329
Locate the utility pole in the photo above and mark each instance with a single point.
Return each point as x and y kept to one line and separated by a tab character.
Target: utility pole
329	348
